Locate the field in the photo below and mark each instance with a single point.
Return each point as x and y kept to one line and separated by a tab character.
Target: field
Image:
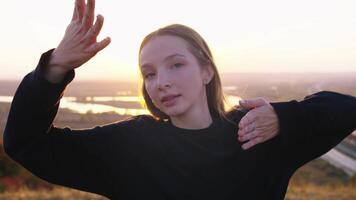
318	180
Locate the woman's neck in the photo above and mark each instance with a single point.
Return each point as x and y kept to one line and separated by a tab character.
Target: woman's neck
194	119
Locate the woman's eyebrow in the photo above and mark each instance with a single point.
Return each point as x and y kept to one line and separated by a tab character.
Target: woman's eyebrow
146	65
173	55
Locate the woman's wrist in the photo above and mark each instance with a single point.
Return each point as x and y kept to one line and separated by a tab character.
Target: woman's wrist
53	72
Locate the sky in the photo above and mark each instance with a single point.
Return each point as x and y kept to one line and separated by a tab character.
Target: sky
245	36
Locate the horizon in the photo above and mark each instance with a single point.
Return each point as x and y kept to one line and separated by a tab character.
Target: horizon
222	75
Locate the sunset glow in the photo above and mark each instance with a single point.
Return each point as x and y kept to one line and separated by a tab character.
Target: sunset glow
245	36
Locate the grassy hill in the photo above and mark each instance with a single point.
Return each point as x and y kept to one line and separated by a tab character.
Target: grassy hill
316	180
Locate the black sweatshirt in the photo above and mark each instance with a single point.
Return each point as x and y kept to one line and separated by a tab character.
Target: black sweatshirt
141	158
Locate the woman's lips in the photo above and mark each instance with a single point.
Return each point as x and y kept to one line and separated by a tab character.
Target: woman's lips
169	97
169	100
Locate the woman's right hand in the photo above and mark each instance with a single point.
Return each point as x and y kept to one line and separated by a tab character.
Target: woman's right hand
79	43
260	124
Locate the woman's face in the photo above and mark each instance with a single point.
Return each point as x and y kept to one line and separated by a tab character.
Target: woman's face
172	76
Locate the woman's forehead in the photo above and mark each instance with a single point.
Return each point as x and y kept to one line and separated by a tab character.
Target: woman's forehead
162	47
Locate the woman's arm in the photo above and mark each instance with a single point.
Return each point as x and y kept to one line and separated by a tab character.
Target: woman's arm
311	127
75	158
306	129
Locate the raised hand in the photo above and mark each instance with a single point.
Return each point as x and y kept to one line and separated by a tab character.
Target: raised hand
259	124
79	43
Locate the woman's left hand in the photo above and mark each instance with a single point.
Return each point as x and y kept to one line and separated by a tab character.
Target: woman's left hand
259	124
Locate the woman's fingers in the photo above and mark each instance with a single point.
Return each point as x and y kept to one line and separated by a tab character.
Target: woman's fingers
252	142
98	46
258	125
79	42
93	33
253	103
250	135
88	14
248	129
95	29
78	10
247	119
248	104
74	16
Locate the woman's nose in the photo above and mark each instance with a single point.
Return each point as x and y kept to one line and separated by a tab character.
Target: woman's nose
163	80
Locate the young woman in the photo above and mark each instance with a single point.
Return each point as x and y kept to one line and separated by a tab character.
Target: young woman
187	148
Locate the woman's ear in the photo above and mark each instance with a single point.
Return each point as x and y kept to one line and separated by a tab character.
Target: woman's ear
207	73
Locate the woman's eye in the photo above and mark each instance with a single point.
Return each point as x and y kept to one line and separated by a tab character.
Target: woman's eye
178	65
149	75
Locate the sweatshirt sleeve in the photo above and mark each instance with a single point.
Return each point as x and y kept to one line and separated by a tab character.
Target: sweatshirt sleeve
313	126
74	158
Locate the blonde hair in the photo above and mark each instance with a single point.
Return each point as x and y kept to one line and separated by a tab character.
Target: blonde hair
201	51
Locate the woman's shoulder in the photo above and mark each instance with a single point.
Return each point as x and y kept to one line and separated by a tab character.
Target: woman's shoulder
135	122
131	123
138	120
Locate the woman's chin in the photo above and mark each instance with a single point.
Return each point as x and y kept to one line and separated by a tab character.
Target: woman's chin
173	112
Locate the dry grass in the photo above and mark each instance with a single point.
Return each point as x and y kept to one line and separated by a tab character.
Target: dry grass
58	193
295	192
326	192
